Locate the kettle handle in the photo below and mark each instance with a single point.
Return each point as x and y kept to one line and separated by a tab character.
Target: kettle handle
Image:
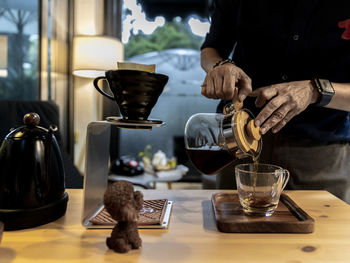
100	90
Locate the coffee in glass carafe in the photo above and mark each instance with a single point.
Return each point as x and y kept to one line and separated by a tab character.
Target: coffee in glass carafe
214	141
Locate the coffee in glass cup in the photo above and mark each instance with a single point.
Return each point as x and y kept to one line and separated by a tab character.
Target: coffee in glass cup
259	187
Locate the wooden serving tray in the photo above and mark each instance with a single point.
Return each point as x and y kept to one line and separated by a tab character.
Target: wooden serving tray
288	217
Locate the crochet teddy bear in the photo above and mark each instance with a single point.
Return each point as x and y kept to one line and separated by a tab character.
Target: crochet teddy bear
123	204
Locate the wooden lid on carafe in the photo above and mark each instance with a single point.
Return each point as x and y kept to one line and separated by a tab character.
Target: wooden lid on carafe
247	135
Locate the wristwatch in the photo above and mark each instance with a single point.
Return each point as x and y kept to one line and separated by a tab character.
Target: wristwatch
325	89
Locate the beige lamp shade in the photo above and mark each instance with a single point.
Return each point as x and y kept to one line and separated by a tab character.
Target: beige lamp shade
3	56
93	55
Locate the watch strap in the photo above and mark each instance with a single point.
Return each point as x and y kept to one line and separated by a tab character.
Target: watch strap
326	90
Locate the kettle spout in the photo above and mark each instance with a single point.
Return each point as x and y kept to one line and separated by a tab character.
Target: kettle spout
53	128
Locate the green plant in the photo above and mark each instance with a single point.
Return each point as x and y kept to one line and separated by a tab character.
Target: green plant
172	35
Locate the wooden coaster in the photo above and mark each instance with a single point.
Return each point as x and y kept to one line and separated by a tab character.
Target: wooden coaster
151	213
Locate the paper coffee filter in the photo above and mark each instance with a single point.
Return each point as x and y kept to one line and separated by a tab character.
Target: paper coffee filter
136	66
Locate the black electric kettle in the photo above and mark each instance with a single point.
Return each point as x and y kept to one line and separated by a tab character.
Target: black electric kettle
32	188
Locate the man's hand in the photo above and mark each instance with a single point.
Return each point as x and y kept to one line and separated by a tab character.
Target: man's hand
283	102
225	82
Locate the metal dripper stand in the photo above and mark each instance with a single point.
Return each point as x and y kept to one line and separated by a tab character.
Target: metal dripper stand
135	92
97	161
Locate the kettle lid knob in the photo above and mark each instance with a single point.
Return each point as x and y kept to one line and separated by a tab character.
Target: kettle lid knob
31	119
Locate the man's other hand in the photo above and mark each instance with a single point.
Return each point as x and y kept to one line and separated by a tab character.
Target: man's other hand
282	102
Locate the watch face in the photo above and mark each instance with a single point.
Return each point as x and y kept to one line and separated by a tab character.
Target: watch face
326	86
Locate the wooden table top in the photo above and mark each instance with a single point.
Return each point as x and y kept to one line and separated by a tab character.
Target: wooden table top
191	237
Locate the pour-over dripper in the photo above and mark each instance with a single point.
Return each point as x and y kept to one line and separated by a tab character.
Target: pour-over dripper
136	92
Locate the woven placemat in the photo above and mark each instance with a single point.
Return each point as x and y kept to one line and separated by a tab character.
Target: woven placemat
151	213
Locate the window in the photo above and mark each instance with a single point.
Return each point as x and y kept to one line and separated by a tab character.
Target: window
19	49
174	46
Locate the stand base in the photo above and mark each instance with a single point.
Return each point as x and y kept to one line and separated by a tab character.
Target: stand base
16	219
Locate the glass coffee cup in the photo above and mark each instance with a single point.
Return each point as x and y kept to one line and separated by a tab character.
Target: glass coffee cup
259	187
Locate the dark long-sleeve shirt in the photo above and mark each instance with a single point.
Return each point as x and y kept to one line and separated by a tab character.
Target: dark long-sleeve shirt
277	41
